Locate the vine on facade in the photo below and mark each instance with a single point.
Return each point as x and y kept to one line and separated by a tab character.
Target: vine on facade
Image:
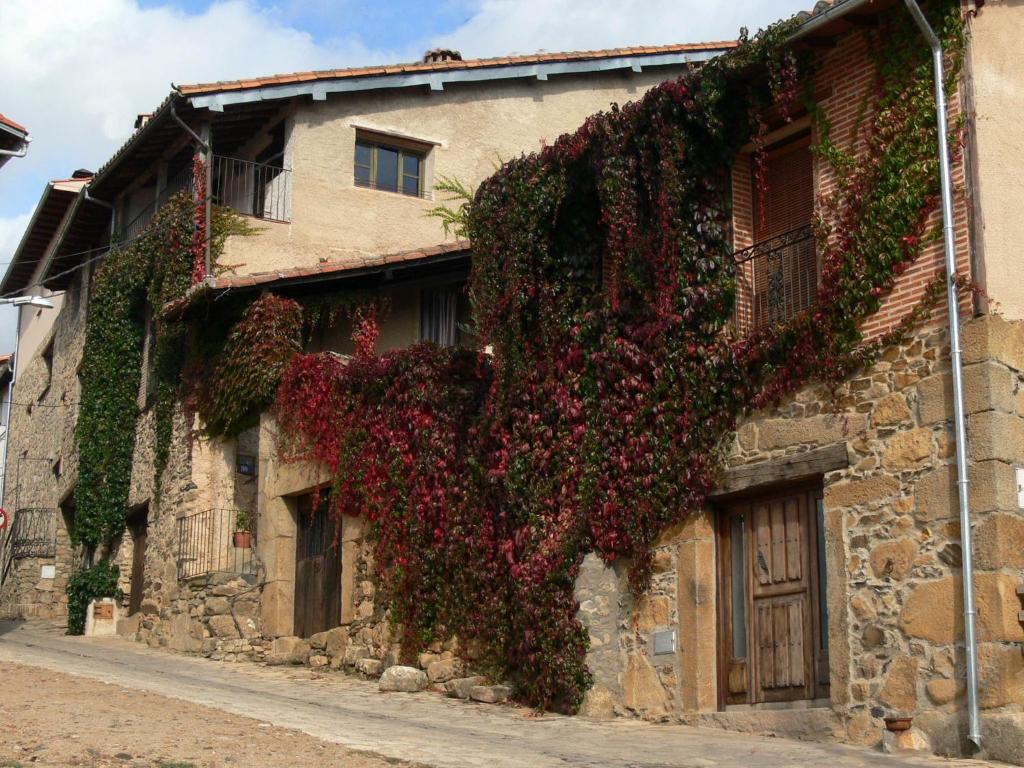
603	280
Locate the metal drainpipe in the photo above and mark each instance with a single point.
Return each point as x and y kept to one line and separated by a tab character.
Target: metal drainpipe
970	640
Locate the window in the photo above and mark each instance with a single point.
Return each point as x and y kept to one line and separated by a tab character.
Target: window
778	273
773	623
443	312
47	357
389	168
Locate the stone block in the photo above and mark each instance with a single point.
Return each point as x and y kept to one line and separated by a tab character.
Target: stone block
1004	737
992	337
934	609
490	694
369	667
814	430
867	491
899	691
943	691
931	612
998	607
935	495
460	687
444	670
223	626
318	660
289	650
424	660
642	688
653	612
403	679
129	626
218	605
999	542
995	435
318	641
908	450
893	559
335	641
354	653
988	386
992	486
935	399
1000	675
598	704
910	740
891	410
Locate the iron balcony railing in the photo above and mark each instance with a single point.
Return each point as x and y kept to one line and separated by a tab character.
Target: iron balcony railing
180	181
33	533
254	189
207	544
776	279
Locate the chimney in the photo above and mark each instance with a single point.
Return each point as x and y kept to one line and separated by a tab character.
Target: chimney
142	119
438	55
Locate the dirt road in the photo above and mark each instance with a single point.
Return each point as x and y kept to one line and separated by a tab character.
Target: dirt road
54	719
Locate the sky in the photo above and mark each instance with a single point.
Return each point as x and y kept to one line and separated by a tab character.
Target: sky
76	73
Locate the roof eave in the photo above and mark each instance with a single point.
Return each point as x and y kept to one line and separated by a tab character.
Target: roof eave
436	80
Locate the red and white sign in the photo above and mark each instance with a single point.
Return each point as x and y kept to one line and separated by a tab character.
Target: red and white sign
3	518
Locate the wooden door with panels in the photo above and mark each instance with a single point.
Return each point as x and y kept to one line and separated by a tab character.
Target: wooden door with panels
772	614
317	567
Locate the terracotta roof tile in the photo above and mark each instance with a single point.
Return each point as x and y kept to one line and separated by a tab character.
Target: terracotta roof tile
11	124
502	61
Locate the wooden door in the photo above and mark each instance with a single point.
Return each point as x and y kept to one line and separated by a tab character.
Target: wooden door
317	568
138	525
773	627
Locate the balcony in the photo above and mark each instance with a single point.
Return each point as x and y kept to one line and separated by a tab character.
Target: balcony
207	545
260	190
776	279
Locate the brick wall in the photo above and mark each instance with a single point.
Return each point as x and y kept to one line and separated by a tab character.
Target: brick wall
845	76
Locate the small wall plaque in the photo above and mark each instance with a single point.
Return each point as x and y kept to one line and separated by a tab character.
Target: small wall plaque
48	572
103	611
664	642
246	464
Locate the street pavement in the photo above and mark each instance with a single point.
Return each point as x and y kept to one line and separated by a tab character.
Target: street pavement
423	728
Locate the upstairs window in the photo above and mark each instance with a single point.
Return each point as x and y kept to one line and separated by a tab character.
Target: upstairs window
778	272
389	167
47	357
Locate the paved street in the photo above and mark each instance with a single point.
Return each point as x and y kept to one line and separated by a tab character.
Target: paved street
421	728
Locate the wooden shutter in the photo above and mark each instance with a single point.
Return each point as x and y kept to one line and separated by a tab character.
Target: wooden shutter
788	201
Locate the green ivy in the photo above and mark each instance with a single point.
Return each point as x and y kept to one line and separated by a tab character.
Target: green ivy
152	270
87	585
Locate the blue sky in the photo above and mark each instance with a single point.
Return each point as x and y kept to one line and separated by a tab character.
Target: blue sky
76	72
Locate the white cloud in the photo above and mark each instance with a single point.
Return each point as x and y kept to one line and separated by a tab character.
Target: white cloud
526	26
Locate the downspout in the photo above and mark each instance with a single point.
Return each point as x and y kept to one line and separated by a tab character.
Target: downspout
970	639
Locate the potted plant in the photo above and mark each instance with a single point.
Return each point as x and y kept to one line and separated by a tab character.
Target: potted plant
243	531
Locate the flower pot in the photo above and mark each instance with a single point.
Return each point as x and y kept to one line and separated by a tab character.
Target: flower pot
243	539
897	724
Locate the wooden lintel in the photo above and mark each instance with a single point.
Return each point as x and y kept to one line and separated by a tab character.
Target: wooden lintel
814	462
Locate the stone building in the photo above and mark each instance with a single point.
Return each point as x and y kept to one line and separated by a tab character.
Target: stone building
819	591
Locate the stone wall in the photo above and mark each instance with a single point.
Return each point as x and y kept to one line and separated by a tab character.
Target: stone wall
216	615
42	464
893	557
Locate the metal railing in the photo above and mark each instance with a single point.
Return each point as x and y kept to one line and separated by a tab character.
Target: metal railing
206	544
33	533
181	181
776	279
254	189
